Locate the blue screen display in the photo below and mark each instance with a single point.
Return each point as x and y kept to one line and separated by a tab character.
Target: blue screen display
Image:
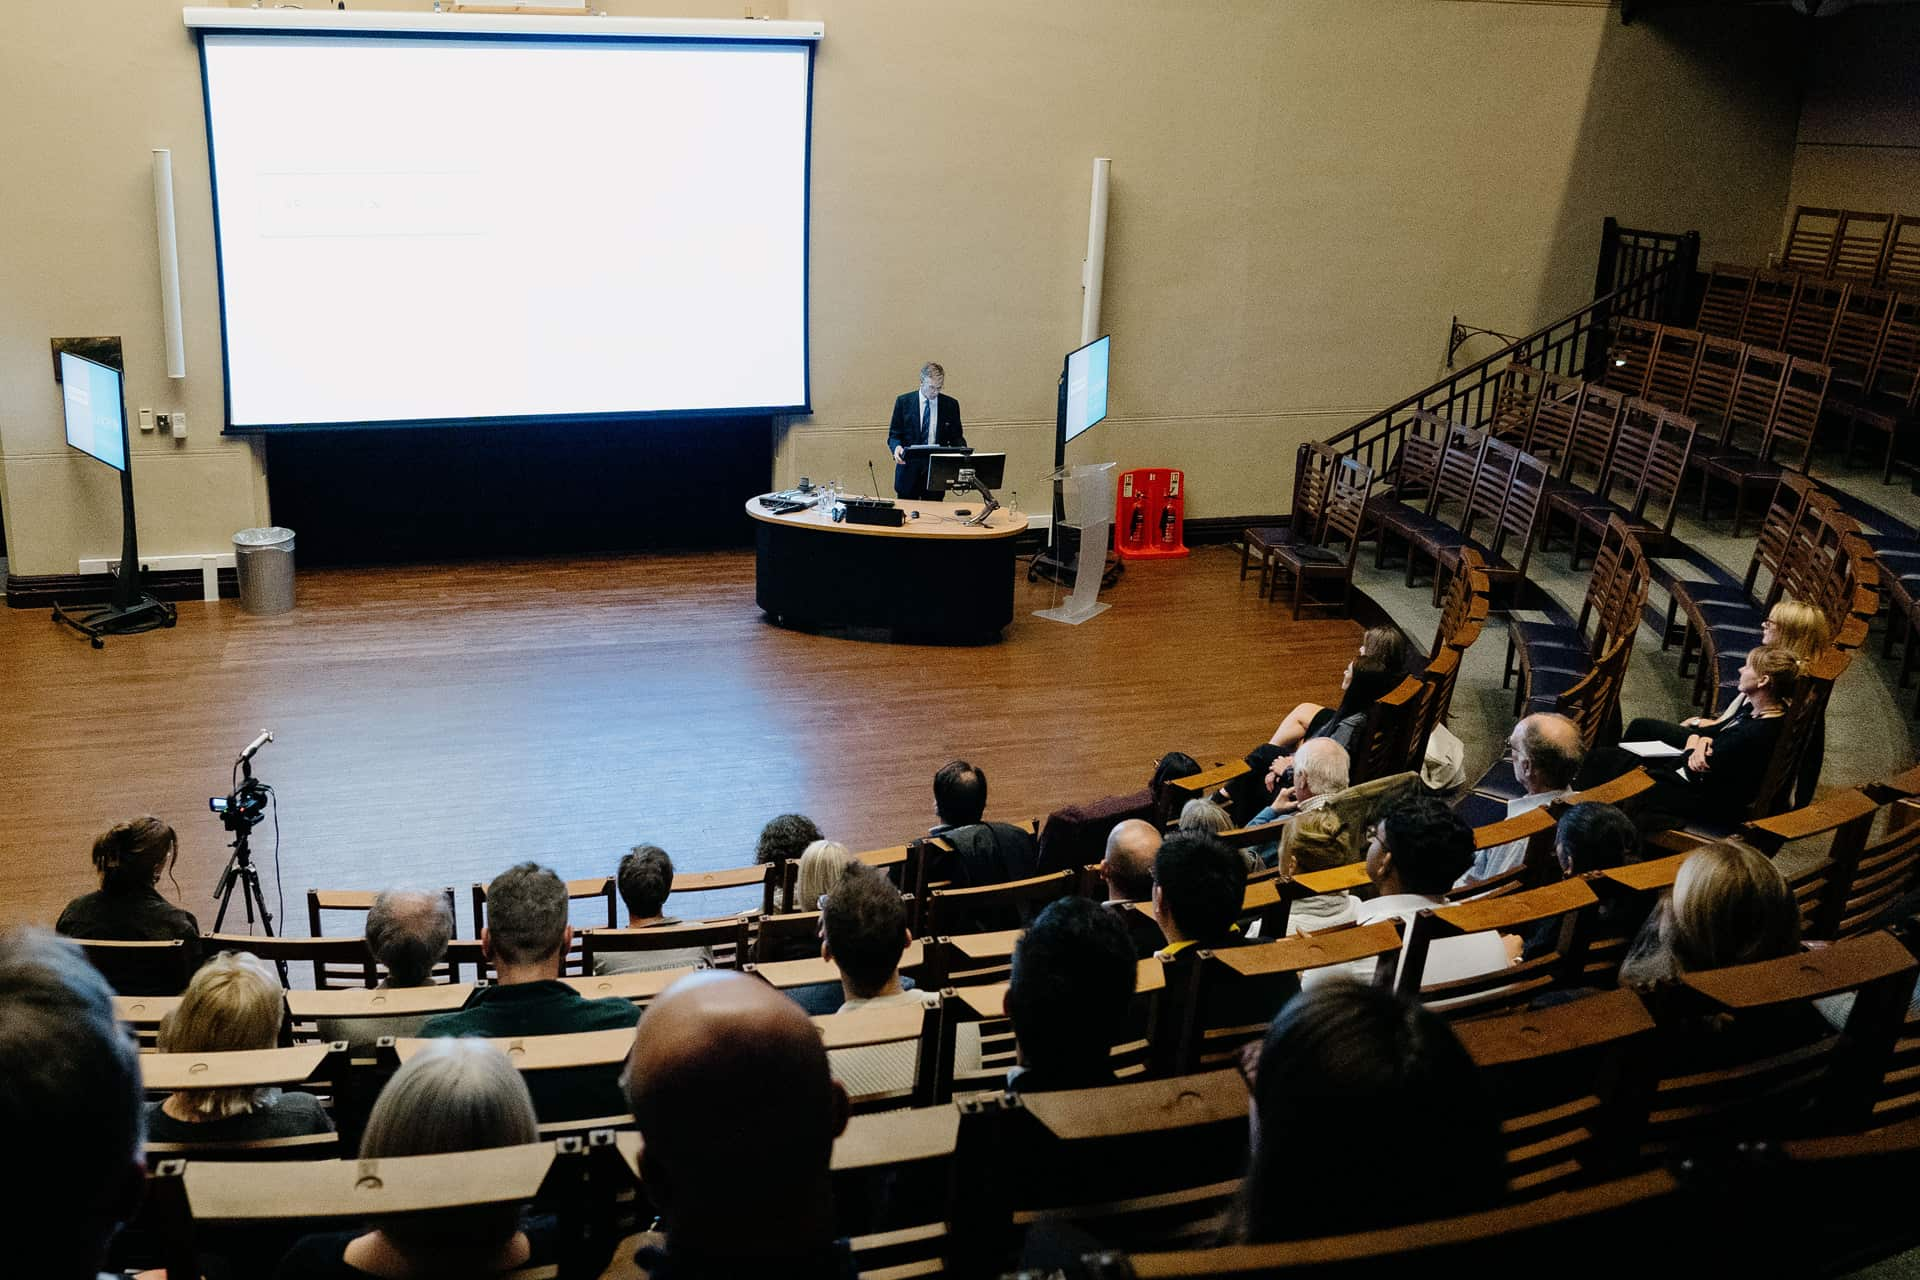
1087	386
94	409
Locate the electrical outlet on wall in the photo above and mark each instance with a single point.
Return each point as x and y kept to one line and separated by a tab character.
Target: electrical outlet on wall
165	422
146	419
180	424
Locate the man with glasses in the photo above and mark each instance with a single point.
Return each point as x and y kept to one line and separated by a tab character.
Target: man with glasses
926	416
1546	752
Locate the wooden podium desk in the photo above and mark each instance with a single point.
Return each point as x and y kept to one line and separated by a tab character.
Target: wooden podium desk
935	577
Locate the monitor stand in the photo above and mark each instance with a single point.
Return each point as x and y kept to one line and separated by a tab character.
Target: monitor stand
131	610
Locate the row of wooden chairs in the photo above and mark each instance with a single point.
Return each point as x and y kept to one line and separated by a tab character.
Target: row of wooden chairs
1452	490
1869	336
1761	408
1839	1199
1577	669
1853	244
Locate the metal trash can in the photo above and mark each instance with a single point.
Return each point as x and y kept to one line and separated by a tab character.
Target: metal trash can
263	561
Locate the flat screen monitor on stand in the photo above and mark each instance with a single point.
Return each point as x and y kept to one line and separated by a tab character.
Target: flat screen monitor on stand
93	396
1082	406
970	472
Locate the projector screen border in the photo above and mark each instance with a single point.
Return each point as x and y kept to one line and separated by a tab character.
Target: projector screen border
345	21
205	21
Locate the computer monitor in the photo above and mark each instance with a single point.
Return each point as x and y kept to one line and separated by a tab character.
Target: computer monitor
96	409
943	469
1086	386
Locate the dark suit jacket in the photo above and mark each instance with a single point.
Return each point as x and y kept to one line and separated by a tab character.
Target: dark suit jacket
904	432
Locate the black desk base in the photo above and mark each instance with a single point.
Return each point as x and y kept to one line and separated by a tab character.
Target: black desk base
952	589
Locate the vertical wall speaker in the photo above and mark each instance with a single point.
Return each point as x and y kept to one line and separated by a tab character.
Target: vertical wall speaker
169	263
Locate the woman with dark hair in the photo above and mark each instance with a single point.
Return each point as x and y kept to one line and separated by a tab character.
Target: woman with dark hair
128	907
1167	801
1383	654
1366	1112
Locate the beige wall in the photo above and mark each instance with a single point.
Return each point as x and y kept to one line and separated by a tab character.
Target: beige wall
1859	139
1303	192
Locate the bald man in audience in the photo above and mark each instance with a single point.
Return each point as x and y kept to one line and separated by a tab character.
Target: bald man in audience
71	1108
1547	755
1128	870
724	1064
407	932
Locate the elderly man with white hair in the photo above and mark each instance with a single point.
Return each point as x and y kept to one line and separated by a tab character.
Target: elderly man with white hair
1325	824
1321	769
1547	754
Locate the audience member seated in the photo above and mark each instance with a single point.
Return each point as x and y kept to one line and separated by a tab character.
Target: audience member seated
234	1002
1367	679
525	939
1198	886
1204	815
1802	631
984	853
823	866
1335	834
1546	753
1069	997
1595	837
407	932
128	907
70	1108
1127	867
723	1065
645	879
1167	799
785	838
1419	849
1073	836
1366	1113
864	933
1383	652
1717	778
1321	769
458	1095
1728	905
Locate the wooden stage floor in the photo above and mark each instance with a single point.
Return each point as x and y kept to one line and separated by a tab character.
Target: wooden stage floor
435	725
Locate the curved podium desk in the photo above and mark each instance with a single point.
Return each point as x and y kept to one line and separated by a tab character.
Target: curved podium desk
935	577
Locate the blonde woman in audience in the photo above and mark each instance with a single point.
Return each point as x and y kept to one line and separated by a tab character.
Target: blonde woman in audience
1791	625
454	1095
127	907
1718	777
1729	905
1801	630
234	1002
823	865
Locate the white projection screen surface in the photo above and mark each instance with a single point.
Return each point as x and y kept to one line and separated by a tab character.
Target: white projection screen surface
482	228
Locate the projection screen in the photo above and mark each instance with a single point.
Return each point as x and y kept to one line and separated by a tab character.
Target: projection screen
484	224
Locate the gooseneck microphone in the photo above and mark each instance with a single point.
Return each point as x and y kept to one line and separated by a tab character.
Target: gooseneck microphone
873	476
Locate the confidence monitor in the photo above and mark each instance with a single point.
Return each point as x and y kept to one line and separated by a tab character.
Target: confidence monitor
1086	387
93	400
453	220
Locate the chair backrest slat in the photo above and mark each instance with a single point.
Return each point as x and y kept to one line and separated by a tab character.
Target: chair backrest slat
1723	306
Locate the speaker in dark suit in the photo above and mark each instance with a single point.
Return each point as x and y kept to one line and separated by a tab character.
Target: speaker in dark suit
922	417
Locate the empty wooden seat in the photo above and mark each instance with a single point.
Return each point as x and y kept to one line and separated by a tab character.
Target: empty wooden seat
144	1014
1571	1081
1314	465
1811	237
1225	998
141	968
1723	304
885	1056
1331	557
952	911
726	939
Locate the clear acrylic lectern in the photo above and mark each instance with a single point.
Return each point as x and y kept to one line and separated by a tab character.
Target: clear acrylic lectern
1087	496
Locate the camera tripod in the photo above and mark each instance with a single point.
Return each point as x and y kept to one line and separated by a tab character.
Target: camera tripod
241	874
